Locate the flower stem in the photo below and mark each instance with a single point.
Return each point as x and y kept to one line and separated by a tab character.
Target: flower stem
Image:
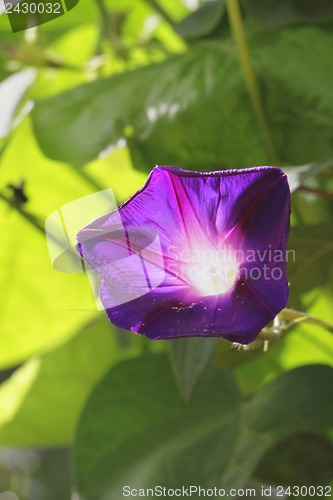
297	316
27	216
319	192
161	11
236	23
103	25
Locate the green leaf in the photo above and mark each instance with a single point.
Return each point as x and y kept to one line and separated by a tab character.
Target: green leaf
203	21
200	98
297	401
270	14
153	106
295	461
42	308
136	422
137	430
309	259
292	65
41	402
189	358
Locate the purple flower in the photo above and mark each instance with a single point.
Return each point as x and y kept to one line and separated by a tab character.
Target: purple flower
195	254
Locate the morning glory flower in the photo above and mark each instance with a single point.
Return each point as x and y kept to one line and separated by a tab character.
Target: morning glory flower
194	254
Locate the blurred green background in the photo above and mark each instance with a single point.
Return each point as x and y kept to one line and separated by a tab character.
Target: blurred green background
93	100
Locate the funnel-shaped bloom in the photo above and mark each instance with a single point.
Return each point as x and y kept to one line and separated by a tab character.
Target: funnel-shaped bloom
195	254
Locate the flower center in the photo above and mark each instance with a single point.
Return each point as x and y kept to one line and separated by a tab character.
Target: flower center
212	272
